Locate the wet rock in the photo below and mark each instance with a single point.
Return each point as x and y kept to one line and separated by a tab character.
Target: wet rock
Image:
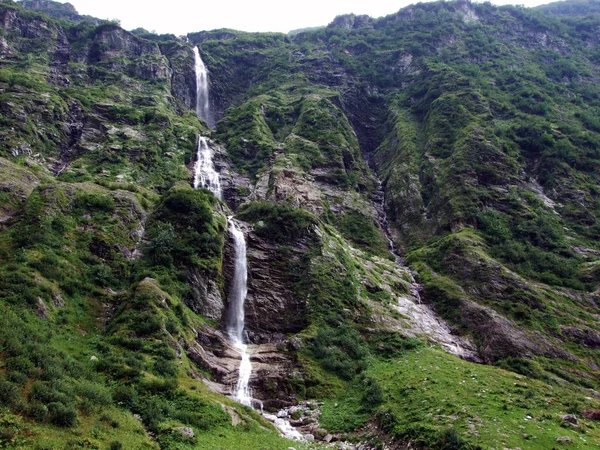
272	310
205	297
183	80
72	129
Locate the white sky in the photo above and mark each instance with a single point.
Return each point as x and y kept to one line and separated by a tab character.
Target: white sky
184	16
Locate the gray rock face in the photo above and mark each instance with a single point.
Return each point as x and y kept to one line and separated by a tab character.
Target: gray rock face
498	337
183	81
205	298
351	22
115	38
272	310
583	335
73	131
145	59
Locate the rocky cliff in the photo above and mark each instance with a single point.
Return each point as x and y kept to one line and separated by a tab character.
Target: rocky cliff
419	198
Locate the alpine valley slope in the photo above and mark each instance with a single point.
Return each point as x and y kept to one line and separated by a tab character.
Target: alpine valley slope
419	196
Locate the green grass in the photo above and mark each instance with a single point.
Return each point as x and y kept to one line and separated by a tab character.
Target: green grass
246	438
428	392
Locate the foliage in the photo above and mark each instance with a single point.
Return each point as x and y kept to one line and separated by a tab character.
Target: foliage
279	223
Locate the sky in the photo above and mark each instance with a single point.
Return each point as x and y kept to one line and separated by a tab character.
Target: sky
180	17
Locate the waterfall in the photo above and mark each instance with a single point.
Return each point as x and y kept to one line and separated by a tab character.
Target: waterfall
235	320
205	174
202	100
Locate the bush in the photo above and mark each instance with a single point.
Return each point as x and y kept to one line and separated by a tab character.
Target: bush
95	202
391	344
9	392
62	415
145	324
279	223
37	411
126	396
10	426
340	350
93	396
372	395
165	368
362	231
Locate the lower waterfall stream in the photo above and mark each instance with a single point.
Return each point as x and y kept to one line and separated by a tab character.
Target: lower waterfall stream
235	320
205	176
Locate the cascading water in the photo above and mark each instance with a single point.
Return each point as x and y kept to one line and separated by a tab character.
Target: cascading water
235	322
202	100
205	174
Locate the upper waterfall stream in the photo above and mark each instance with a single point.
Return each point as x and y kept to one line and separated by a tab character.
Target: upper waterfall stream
205	174
202	100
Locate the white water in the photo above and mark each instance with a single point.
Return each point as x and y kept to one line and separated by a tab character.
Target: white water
235	320
287	430
205	174
202	100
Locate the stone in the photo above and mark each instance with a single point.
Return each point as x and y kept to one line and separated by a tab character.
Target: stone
42	311
564	440
185	431
205	298
309	437
94	358
591	414
58	301
295	343
320	433
570	418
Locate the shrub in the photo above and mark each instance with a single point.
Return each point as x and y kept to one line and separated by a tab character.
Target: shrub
165	368
37	411
10	426
62	415
93	395
9	392
340	350
279	223
126	396
372	395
